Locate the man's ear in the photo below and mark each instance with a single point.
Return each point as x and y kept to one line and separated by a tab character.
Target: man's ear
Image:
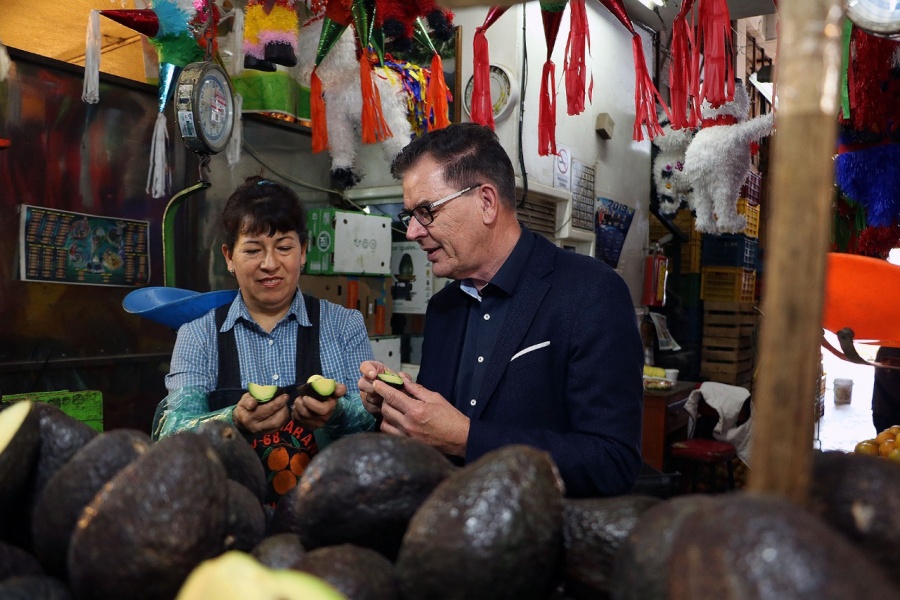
489	202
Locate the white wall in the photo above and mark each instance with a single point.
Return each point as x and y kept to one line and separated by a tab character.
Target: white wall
622	165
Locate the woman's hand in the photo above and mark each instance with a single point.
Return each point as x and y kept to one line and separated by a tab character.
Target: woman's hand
370	370
313	413
260	417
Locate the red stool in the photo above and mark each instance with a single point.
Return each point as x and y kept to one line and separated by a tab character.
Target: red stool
698	452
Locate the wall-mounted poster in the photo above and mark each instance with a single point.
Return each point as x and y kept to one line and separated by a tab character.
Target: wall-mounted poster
611	222
66	247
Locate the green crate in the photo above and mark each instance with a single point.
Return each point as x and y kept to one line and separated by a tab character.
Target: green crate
85	406
690	289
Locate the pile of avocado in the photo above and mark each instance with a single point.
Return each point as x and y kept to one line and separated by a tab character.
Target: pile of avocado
115	515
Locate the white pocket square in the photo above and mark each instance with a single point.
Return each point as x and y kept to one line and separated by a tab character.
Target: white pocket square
529	349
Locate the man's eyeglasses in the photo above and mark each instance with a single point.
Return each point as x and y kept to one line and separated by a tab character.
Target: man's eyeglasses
424	214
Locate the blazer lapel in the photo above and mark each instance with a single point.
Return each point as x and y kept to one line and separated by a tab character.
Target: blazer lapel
526	301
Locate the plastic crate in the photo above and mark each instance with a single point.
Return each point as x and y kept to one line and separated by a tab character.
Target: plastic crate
751	213
657	230
690	257
689	287
752	188
736	250
685	221
727	284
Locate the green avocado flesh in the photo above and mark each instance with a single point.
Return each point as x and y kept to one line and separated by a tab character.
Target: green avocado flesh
236	575
318	387
391	379
262	393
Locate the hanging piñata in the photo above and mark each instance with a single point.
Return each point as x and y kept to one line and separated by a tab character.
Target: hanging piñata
481	110
270	34
174	28
551	16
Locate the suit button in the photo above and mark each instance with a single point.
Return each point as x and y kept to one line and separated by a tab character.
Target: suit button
473	402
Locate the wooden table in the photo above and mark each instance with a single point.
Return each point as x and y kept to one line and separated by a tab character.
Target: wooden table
665	420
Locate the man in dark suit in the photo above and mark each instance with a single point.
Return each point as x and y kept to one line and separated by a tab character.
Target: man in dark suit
530	344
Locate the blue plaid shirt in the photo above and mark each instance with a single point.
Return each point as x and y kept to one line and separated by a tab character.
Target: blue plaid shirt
270	358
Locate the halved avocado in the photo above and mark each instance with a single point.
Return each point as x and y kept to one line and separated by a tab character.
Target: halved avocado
392	379
262	393
235	575
20	437
318	387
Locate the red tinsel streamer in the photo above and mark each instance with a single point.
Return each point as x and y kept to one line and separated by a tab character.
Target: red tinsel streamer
574	65
714	37
683	77
317	114
374	127
436	95
482	109
878	241
645	93
547	111
874	91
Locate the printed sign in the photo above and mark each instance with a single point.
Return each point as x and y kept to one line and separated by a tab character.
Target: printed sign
66	247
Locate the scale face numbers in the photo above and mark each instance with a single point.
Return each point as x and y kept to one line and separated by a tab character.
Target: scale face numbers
204	107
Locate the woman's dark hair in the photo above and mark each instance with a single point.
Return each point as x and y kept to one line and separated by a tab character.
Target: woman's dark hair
469	153
262	206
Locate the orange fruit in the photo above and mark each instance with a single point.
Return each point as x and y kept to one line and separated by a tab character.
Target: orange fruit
278	458
867	447
298	464
885	448
884	436
895	429
283	482
894	455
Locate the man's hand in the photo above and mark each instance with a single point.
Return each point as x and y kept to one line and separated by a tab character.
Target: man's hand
421	414
371	400
260	417
313	413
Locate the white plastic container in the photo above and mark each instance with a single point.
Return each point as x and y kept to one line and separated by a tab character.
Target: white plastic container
672	375
843	391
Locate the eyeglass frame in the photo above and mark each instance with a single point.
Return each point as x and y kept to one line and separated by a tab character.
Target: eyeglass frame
406	216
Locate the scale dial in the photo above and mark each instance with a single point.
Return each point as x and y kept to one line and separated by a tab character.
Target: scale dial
504	93
881	17
204	107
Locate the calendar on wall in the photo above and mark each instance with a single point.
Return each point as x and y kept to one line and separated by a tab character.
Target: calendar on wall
582	196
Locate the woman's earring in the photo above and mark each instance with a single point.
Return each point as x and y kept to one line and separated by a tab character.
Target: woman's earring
231	271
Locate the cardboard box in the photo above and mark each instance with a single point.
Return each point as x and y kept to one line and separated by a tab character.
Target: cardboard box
387	350
412	284
85	405
369	295
350	243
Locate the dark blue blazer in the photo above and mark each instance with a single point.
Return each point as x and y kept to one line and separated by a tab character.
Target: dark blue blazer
565	374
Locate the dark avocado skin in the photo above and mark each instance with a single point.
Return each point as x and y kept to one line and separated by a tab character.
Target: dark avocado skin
17	562
361	489
491	530
749	546
61	437
34	587
240	460
642	563
594	530
246	519
357	572
860	497
279	551
155	521
70	489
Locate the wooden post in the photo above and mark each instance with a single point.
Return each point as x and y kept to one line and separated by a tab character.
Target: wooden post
809	63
